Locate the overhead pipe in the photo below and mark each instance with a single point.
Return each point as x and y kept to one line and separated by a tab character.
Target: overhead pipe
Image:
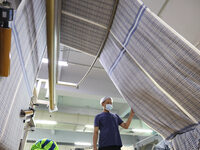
51	50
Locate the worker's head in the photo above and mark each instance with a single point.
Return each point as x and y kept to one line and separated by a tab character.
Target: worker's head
45	144
106	103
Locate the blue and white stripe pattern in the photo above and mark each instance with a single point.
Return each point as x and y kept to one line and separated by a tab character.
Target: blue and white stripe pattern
135	24
19	51
169	60
128	36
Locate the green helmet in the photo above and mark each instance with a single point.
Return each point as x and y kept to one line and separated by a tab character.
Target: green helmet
45	144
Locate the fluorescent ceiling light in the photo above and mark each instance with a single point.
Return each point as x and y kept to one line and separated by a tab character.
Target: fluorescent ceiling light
45	60
89	126
46	85
60	63
88	131
79	130
83	144
67	83
142	130
45	122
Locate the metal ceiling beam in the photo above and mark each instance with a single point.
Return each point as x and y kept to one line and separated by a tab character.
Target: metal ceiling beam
84	19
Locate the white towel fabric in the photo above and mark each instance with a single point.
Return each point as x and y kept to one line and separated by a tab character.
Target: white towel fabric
27	49
155	69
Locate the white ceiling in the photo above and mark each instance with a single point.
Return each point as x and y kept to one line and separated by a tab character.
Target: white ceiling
183	16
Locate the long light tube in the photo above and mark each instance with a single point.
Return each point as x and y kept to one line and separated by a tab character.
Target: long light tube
60	63
89	126
45	122
142	130
83	144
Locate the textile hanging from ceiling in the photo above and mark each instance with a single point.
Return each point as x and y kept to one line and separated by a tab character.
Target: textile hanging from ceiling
84	23
27	49
156	71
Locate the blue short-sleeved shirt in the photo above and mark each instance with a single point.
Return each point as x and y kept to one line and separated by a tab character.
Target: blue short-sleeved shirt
109	131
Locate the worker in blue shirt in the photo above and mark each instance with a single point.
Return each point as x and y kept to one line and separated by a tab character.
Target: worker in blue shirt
107	123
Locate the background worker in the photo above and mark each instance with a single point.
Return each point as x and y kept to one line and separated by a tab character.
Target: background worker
108	124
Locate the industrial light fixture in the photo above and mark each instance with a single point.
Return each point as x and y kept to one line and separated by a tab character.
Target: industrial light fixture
45	122
142	130
60	63
79	130
83	144
89	126
67	83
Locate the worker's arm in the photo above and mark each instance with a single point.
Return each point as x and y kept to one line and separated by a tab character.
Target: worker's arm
95	137
126	124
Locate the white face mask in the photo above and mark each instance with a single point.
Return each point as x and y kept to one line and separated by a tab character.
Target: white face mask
109	107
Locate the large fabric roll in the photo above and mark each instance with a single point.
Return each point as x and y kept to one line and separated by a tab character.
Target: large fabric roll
27	49
154	68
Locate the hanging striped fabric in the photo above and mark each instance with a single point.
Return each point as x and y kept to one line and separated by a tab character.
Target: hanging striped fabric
156	71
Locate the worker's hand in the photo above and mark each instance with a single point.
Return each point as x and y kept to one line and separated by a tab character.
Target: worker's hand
132	113
94	148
